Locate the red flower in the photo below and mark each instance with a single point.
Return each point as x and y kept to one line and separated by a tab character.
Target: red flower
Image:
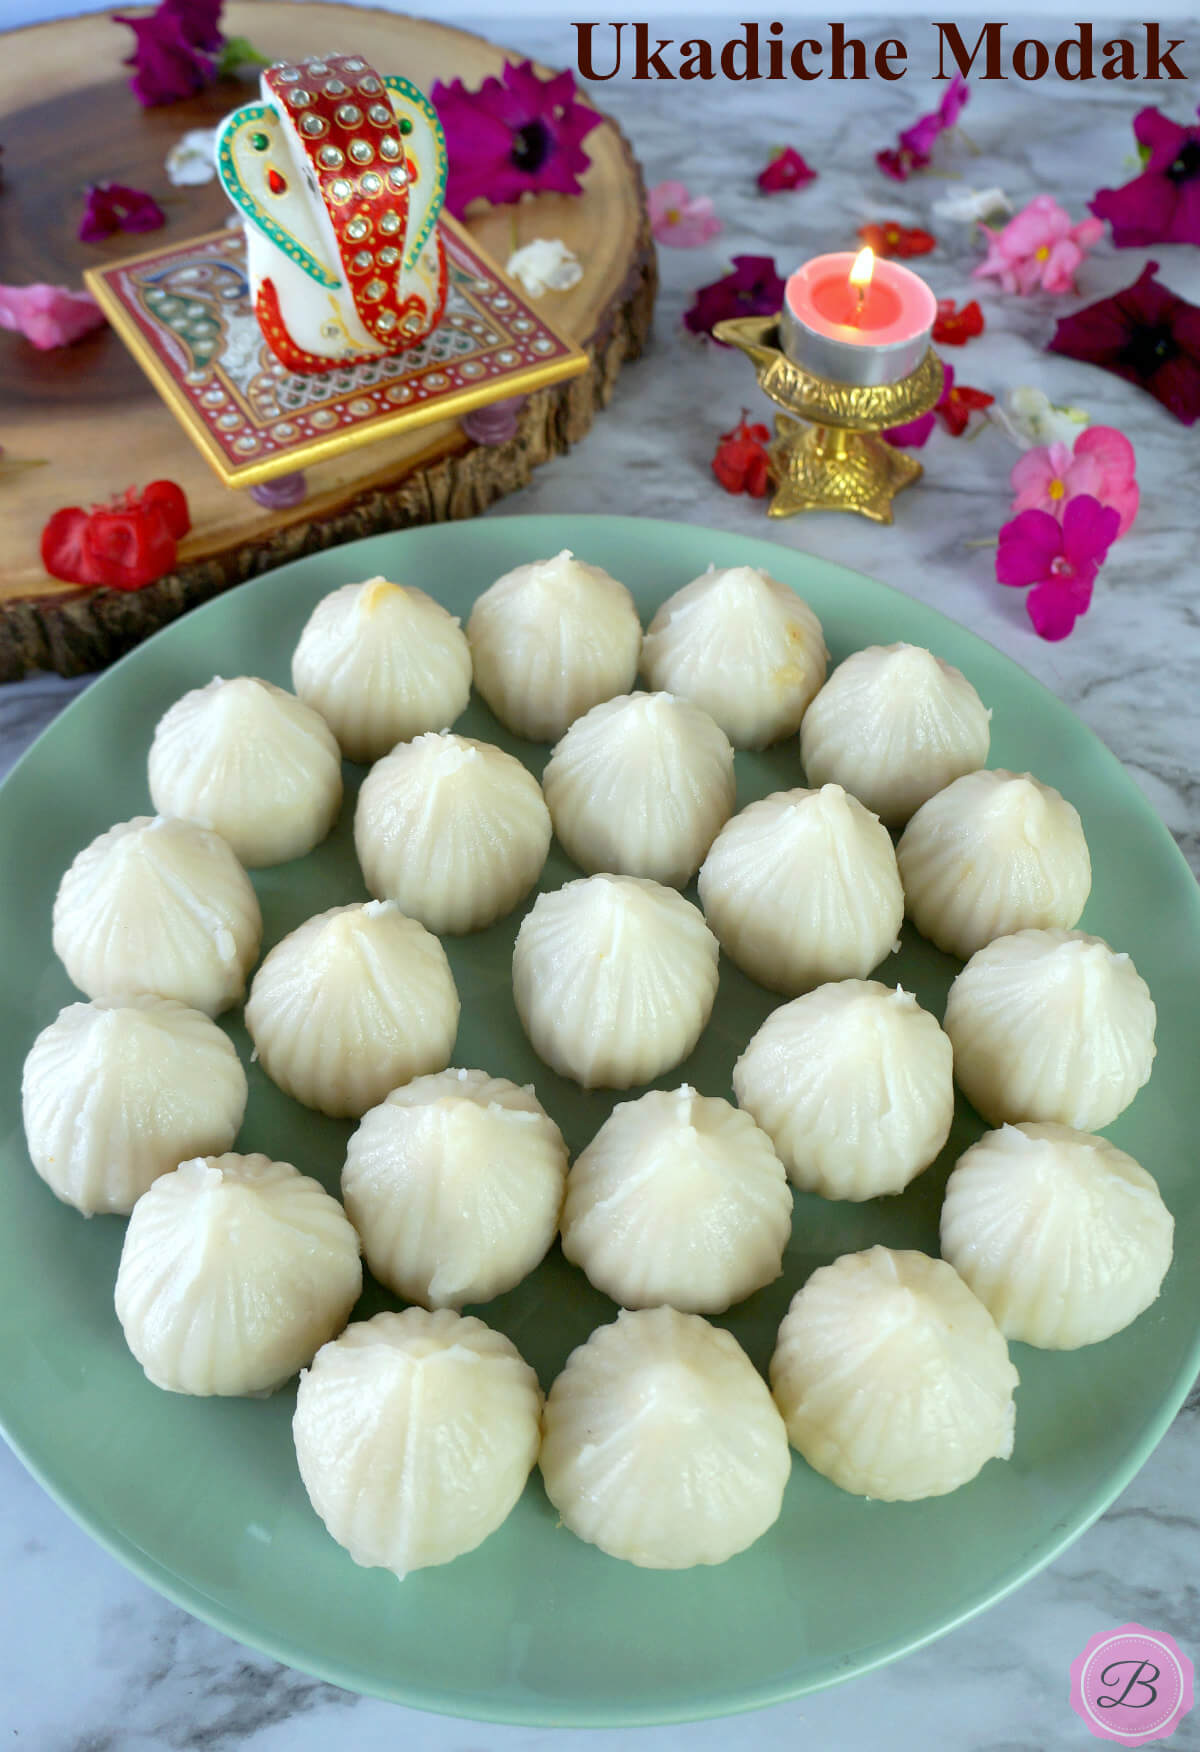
740	463
958	401
786	170
1145	334
890	239
125	544
513	136
113	207
953	327
754	288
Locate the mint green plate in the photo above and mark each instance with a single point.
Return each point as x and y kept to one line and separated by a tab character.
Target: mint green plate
202	1498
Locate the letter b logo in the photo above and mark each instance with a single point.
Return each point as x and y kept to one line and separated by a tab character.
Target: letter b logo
1131	1685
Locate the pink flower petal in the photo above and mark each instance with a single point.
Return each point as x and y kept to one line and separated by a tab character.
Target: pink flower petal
1113	459
1053	609
49	316
1029	545
1088	531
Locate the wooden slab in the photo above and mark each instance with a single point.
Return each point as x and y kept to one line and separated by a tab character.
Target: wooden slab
87	409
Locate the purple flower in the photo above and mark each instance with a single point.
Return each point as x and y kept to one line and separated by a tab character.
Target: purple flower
174	50
514	136
1145	334
1162	205
1060	560
113	207
754	288
915	146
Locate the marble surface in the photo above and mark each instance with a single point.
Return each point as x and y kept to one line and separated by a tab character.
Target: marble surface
93	1661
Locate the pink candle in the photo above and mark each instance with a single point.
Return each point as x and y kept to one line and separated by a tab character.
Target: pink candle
874	332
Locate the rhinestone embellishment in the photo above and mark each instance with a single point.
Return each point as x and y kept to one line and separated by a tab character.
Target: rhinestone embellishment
398	176
374	289
312	125
362	261
388	257
331	158
299	99
371	183
357	229
361	151
340	189
389	223
389	147
349	115
380	114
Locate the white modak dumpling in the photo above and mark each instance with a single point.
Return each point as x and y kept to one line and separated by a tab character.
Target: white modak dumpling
113	1095
995	852
1063	1237
382	662
743	647
614	979
802	887
158	907
854	1084
894	725
253	763
455	831
235	1270
455	1184
415	1434
640	785
350	1004
549	641
893	1379
1050	1025
660	1443
679	1198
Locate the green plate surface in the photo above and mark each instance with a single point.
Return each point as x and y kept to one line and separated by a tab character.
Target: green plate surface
202	1497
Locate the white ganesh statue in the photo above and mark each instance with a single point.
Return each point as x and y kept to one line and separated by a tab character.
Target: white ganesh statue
341	176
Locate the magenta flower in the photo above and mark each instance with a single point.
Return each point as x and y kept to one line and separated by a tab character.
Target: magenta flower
1145	334
1039	250
49	316
914	149
754	288
785	170
514	136
1060	560
175	50
679	219
1101	464
1162	205
113	207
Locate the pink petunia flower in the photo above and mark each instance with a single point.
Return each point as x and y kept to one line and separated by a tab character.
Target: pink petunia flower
754	288
175	50
680	219
516	135
786	170
914	149
1101	463
1039	249
114	207
49	316
1162	205
1060	560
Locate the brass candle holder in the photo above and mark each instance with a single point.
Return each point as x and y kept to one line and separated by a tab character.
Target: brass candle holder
827	454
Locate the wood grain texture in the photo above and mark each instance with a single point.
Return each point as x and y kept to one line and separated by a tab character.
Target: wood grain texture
88	410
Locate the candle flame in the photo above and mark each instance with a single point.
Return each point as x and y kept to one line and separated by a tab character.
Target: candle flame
862	269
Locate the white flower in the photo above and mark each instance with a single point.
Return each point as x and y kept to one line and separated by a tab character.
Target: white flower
1029	417
191	160
545	265
972	204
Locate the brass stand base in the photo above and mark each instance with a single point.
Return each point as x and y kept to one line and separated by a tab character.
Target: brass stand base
822	468
827	454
